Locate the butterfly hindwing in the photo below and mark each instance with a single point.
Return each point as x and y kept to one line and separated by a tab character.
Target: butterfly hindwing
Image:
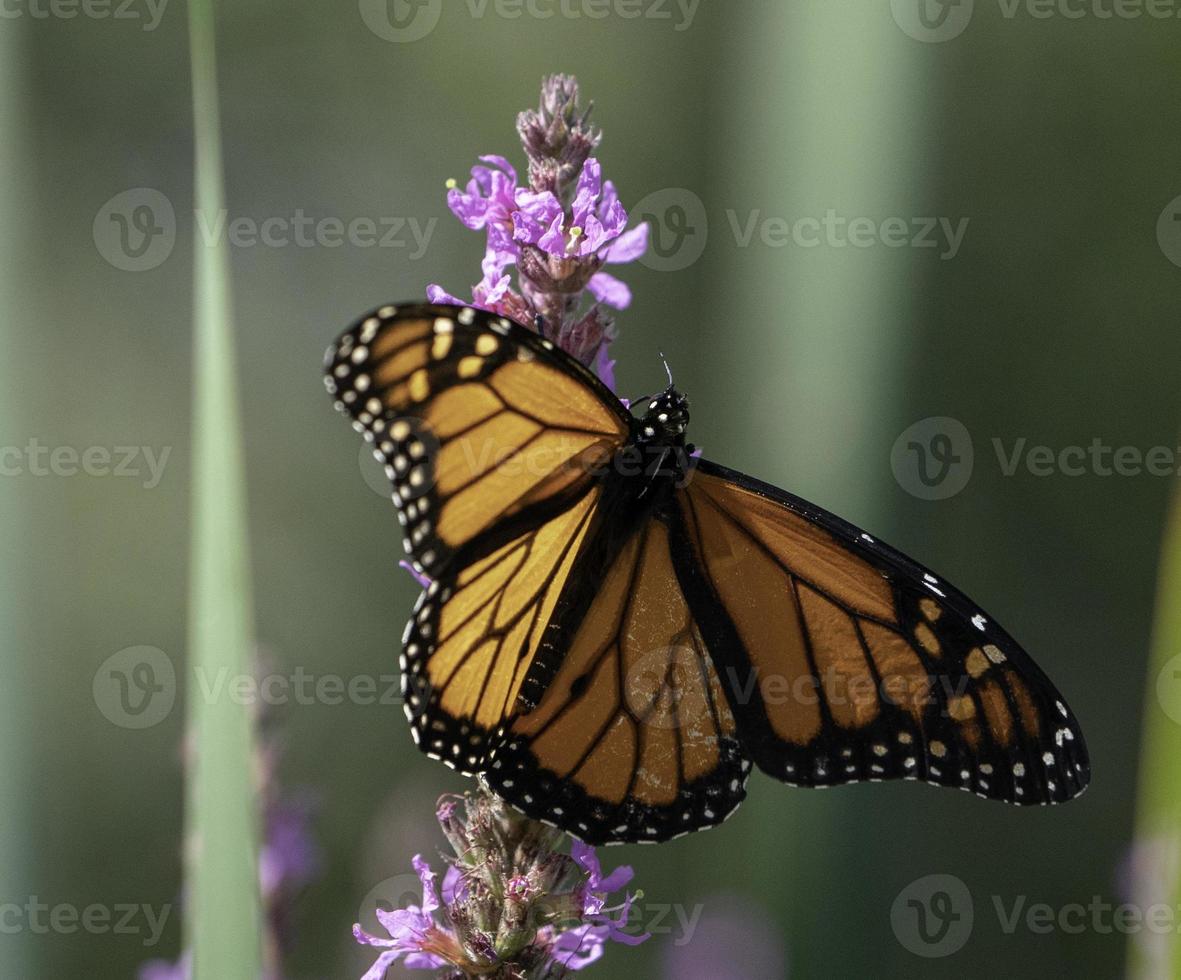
633	739
846	661
475	632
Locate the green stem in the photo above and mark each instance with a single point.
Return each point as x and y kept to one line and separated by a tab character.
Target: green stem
1158	808
224	916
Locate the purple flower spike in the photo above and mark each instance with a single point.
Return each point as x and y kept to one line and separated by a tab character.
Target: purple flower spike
510	905
558	232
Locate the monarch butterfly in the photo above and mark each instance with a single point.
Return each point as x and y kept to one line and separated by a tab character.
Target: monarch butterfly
615	630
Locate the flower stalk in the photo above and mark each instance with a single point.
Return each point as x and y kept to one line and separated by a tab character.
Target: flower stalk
513	904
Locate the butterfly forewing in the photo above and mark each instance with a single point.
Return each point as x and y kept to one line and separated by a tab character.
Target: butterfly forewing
847	661
479	422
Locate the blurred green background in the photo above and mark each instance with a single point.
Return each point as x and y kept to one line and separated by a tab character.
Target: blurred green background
1055	321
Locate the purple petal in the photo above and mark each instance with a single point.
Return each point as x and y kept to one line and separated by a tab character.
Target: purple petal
629	246
554	239
616	879
590	181
430	900
366	939
585	857
424	961
594	236
454	886
437	294
488	294
578	948
420	577
534	214
610	197
381	967
607	289
502	163
469	207
613	217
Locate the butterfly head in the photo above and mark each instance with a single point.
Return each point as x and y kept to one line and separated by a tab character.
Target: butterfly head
667	418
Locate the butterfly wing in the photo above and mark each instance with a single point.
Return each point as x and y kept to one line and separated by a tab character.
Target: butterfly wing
844	660
633	739
494	441
481	423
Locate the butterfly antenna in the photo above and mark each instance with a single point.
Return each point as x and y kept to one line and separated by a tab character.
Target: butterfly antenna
667	369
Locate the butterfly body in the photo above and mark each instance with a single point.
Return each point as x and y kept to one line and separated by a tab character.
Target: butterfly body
616	631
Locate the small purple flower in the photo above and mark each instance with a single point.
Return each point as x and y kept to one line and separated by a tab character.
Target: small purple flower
595	888
490	196
414	934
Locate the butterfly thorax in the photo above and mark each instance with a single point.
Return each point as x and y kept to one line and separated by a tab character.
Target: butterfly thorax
659	435
666	420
